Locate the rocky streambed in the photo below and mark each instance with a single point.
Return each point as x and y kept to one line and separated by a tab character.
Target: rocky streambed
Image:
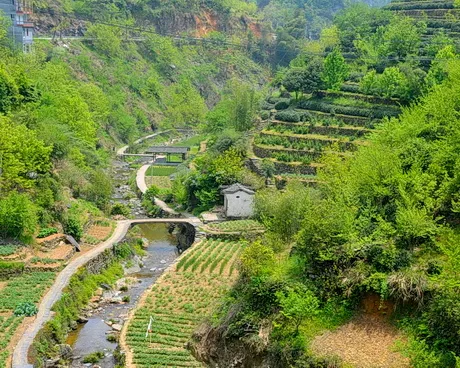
103	318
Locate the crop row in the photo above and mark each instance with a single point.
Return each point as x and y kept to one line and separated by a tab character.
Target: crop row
329	130
305	141
376	112
178	302
207	256
235	226
8	326
421	5
28	287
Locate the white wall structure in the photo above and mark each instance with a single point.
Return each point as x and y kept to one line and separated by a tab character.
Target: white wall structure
238	201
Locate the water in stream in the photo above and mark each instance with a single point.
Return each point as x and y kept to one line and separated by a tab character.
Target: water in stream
92	336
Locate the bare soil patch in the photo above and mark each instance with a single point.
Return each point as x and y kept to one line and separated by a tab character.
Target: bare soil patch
365	342
99	232
61	253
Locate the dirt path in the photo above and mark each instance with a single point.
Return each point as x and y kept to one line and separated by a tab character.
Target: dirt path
121	151
365	342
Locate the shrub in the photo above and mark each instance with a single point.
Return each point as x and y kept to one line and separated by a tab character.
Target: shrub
266	106
17	216
282	105
120	209
264	115
151	193
47	231
93	357
73	228
27	309
111	338
289	116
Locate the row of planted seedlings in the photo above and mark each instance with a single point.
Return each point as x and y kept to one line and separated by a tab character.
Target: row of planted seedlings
19	298
165	319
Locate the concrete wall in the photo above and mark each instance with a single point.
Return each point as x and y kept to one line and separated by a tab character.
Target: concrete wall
239	204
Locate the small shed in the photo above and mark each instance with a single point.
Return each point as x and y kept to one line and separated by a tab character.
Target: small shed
238	201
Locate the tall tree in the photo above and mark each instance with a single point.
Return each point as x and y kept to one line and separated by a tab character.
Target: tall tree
335	70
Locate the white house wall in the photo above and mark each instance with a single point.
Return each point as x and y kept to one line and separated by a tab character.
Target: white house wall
239	207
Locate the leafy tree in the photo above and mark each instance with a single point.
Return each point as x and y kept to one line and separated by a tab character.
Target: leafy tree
440	66
358	21
268	168
9	92
105	39
283	213
18	216
402	37
22	156
100	189
73	227
335	70
304	80
391	83
237	108
185	106
298	305
257	259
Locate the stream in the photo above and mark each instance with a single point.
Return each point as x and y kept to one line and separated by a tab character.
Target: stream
106	315
91	336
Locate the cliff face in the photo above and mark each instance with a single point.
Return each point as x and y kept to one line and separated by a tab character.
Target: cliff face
52	19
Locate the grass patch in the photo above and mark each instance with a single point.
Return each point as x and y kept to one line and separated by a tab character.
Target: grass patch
160	170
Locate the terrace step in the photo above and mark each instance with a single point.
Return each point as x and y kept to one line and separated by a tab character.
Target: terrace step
295	167
348	119
321	139
345	130
360	97
373	112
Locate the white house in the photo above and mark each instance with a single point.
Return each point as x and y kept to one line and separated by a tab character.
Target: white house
238	201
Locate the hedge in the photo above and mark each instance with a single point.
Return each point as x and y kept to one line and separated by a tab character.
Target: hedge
282	105
289	116
378	112
264	115
317	129
421	5
360	97
317	141
267	106
349	87
266	151
347	119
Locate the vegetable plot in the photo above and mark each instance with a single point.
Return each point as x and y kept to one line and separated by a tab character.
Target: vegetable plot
178	302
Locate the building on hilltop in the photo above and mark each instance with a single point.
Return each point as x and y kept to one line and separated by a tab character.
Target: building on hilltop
238	201
21	30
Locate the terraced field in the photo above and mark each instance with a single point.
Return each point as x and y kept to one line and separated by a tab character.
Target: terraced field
178	302
28	287
440	15
328	122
